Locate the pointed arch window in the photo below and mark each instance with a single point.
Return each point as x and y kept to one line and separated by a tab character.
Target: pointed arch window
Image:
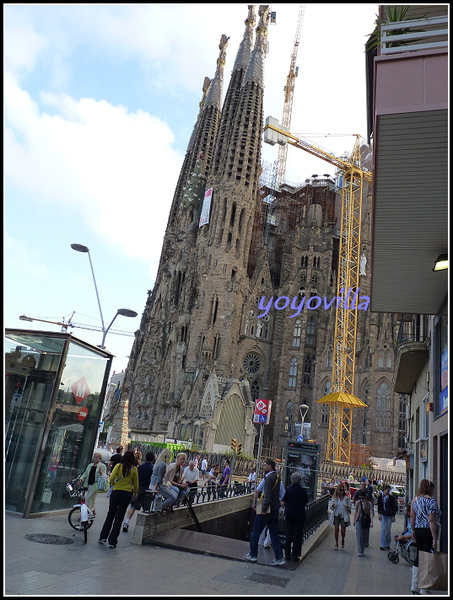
383	395
310	339
296	334
292	373
307	369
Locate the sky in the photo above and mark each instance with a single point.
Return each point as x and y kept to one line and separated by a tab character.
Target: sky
99	104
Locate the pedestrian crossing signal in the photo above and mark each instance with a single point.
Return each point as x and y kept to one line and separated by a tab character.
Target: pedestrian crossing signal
233	444
239	449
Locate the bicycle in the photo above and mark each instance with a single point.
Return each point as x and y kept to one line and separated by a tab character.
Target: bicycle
80	517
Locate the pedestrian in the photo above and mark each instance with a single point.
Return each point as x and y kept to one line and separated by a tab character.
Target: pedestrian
124	479
115	458
138	457
425	516
251	479
387	509
369	496
204	467
363	521
90	478
174	476
294	502
269	506
265	537
159	483
324	487
340	505
225	479
191	476
144	498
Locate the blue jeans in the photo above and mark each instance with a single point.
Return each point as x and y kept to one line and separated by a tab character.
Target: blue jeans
271	520
363	534
169	494
386	526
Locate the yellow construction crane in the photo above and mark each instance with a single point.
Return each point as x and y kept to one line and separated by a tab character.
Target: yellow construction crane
64	326
288	103
342	399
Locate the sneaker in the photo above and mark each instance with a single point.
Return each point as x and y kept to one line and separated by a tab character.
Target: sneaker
102	541
126	527
112	545
359	554
278	561
248	556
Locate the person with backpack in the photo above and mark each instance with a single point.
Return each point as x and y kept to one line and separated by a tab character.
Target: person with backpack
363	520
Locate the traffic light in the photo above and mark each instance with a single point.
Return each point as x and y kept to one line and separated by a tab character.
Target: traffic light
239	449
233	444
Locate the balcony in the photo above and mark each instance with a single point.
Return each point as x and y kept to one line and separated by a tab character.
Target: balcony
412	352
414	34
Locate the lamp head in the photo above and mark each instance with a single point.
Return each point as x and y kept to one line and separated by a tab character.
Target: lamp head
126	312
441	263
79	248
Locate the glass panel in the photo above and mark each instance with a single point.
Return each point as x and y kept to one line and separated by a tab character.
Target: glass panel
30	373
74	427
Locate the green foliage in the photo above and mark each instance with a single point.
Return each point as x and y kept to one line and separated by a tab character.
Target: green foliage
393	14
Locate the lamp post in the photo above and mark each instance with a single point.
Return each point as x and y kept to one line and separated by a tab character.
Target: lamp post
125	312
303	409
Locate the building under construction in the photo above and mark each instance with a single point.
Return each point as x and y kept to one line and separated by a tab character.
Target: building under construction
225	323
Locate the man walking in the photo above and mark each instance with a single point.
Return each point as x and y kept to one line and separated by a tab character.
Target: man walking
267	515
387	509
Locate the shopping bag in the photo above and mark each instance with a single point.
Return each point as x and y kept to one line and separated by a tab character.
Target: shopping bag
432	570
101	484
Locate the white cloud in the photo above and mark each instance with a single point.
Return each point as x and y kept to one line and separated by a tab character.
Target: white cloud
24	261
118	168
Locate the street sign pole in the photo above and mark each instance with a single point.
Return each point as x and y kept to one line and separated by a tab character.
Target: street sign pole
260	441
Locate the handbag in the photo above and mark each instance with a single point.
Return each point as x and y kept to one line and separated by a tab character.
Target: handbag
433	570
101	484
109	493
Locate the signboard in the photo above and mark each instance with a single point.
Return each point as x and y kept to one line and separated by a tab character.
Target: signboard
204	217
262	412
302	457
80	390
443	404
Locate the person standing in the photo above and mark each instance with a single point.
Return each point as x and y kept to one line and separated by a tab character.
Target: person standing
294	502
363	521
124	479
225	479
90	477
115	458
340	505
251	479
143	499
425	514
204	467
269	515
387	509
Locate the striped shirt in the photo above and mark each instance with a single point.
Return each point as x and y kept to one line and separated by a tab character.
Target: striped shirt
423	507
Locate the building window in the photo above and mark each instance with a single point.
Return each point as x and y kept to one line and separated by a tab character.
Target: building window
307	369
289	418
251	363
388	364
255	390
383	406
325	414
296	334
292	373
310	339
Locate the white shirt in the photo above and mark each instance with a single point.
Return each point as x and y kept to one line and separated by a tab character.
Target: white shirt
191	475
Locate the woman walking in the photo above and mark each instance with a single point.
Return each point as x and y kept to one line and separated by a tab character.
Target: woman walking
425	514
124	479
363	520
341	509
159	481
90	477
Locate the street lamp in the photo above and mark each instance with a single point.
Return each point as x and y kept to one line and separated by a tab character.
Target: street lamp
303	409
125	312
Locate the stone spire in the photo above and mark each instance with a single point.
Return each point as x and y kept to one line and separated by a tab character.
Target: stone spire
255	67
245	47
214	95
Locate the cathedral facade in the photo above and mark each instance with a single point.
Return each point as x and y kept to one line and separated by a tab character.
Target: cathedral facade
234	313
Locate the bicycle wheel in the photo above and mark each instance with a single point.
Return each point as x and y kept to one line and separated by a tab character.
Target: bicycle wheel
74	518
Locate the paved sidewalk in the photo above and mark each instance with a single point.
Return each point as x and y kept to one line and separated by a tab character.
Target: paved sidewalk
34	569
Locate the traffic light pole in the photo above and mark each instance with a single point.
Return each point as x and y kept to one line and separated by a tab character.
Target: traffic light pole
259	453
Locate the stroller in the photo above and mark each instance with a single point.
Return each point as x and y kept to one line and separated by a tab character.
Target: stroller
407	549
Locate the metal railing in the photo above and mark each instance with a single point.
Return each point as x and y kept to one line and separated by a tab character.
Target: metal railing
406	36
315	514
413	328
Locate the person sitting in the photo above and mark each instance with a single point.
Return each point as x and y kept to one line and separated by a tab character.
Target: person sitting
407	533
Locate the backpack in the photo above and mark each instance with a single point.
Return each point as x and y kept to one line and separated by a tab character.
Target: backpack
365	520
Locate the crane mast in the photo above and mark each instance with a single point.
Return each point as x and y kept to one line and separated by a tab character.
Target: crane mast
288	103
343	369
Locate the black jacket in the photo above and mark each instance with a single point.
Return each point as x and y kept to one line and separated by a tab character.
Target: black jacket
391	507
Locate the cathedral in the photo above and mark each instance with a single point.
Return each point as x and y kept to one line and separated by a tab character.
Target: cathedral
225	323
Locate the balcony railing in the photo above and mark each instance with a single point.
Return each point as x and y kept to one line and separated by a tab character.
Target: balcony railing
414	34
413	328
